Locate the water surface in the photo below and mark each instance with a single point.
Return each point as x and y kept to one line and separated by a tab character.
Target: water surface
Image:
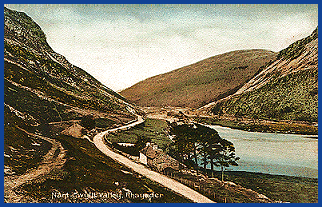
273	153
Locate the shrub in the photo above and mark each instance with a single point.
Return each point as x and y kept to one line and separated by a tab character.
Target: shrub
88	122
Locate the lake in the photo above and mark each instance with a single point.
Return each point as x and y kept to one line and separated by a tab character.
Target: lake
273	153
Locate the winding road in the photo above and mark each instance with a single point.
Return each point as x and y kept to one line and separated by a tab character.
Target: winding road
141	169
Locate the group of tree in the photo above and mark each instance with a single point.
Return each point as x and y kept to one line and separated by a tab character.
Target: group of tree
197	145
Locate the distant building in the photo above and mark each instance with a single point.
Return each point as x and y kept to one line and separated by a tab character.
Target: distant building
154	157
126	144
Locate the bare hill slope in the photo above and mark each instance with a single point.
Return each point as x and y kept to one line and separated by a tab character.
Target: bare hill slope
202	82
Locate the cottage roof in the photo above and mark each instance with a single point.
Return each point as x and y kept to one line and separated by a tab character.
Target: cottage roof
150	152
159	159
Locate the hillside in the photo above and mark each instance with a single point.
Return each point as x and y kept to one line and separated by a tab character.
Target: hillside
285	90
202	82
52	109
42	87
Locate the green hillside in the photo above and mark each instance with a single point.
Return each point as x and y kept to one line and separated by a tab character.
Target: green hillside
290	91
293	97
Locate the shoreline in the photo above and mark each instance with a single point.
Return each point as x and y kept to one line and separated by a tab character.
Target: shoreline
273	127
265	174
310	136
241	123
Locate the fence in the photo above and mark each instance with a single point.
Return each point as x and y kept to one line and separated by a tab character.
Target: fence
203	188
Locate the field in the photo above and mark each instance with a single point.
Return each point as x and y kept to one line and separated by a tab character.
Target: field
277	187
152	129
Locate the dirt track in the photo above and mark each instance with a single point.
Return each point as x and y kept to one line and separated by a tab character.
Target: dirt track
51	161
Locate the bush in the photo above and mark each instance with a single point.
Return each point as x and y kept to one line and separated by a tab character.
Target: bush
88	122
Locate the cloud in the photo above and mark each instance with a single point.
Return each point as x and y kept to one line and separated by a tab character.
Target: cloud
123	44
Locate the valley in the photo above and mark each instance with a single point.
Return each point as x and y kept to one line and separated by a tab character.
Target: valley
188	135
45	95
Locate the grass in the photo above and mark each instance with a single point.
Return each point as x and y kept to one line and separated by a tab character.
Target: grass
104	122
215	190
18	144
292	97
153	129
277	187
87	168
28	102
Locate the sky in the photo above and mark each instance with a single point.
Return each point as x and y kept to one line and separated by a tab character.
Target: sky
121	45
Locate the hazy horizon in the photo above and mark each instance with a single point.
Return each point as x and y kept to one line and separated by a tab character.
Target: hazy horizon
121	45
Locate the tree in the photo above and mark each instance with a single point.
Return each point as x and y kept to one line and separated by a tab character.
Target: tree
203	150
216	150
141	143
185	143
225	156
207	142
193	141
213	150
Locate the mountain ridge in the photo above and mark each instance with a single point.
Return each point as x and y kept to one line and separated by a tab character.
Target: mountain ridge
288	87
185	86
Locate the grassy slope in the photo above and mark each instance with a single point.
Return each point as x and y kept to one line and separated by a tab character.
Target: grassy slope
278	187
290	97
293	97
23	155
88	168
200	83
55	88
